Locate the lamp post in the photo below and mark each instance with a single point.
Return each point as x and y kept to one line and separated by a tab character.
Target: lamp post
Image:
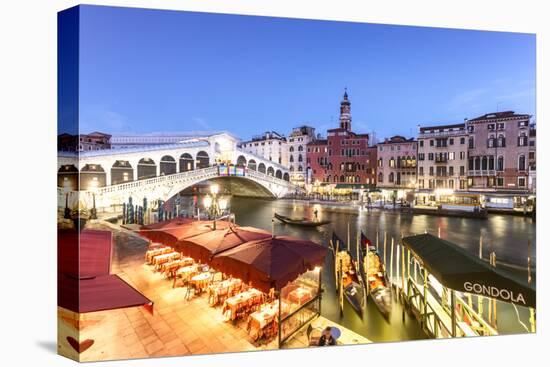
67	188
93	189
213	204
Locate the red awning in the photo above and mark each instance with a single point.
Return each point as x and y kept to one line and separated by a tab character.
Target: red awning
83	280
271	262
203	246
107	292
169	232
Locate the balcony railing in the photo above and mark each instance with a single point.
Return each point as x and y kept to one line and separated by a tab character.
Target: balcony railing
478	172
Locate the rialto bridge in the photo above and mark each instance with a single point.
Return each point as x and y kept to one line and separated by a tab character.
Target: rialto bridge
158	172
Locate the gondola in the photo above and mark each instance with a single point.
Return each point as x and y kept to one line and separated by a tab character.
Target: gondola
301	222
377	280
354	292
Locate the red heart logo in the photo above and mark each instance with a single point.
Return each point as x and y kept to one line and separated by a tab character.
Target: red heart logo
80	347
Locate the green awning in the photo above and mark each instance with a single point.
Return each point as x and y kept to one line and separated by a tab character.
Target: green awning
457	269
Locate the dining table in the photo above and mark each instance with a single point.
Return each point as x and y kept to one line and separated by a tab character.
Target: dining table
225	288
235	305
172	266
167	257
150	254
299	296
200	281
185	273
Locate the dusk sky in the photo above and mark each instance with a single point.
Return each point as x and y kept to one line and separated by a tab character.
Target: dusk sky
144	71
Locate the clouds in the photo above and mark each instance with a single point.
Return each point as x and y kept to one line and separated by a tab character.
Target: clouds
103	118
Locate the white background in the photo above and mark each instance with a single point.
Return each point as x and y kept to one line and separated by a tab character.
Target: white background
28	133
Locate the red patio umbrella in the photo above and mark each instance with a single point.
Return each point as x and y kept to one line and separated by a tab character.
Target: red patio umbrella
203	246
271	262
169	232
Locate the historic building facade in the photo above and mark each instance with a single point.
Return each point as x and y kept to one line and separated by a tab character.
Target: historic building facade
498	158
498	148
344	159
396	167
297	143
443	158
83	142
271	146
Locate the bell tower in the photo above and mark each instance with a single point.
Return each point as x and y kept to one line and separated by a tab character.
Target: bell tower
345	112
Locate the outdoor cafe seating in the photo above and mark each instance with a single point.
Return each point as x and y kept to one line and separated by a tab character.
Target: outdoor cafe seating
232	266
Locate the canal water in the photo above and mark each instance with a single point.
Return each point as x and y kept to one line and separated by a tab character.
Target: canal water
507	236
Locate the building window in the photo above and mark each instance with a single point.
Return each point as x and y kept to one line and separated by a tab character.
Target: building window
522	140
392	162
420	156
431	143
451	155
500	164
380	177
501	142
471	144
521	181
462	184
521	163
491	163
421	143
462	173
500	181
391	177
451	141
462	140
421	171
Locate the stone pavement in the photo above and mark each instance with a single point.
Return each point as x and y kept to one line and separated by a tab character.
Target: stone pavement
177	327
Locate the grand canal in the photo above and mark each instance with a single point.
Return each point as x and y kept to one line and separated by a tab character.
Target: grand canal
507	236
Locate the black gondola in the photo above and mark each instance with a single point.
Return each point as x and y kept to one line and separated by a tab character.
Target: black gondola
377	282
301	222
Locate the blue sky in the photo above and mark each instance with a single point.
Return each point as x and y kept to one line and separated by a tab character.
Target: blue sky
164	71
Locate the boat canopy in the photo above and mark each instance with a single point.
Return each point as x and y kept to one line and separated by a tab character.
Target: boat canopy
457	269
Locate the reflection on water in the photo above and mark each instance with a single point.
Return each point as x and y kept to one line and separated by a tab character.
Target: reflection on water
507	236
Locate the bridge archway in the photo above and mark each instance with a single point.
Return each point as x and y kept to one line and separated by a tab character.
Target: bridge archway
168	165
261	168
279	174
236	185
187	163
146	169
203	160
286	177
270	171
241	161
67	177
252	165
121	172
92	175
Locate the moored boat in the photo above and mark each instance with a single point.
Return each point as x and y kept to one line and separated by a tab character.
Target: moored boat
304	222
352	284
377	281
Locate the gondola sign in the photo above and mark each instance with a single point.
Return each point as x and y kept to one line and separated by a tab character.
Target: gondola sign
503	294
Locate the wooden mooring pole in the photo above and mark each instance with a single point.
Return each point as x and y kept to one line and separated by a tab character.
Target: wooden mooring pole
391	262
480	298
529	281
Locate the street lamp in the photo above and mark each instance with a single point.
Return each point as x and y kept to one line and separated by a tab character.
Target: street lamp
93	189
67	188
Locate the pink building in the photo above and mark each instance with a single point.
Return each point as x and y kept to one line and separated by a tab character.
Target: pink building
498	157
396	168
